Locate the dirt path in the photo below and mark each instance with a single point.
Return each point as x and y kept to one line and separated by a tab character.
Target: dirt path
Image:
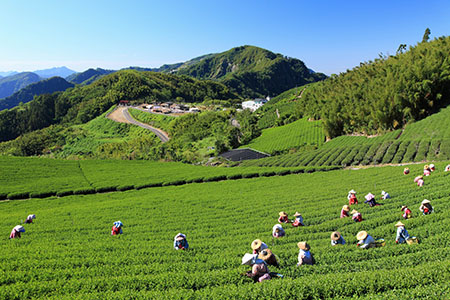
121	114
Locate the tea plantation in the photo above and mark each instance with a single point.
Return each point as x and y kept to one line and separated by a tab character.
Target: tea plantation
68	253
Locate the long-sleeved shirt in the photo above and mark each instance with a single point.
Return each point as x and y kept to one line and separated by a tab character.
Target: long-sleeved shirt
407	213
183	244
420	182
14	234
305	257
340	241
366	243
402	234
426	208
344	213
278	234
298	221
282	219
386	196
352	199
357	217
116	230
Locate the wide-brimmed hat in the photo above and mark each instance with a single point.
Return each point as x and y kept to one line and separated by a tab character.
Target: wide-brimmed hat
19	228
335	236
118	224
426	201
265	254
431	166
283	214
303	246
369	196
180	237
346	208
399	224
297	214
406	169
426	167
248	259
404	206
354	211
361	235
352	192
256	244
383	193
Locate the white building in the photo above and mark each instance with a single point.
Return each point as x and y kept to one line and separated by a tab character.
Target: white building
254	104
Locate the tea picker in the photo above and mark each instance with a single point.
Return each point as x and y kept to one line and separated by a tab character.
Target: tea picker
16	231
406	212
403	235
304	255
283	217
298	220
117	228
30	219
344	211
258	245
425	207
259	271
180	242
278	231
337	239
352	197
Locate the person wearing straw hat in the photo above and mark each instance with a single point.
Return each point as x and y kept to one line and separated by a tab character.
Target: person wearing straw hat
283	217
370	199
402	233
117	228
356	216
406	171
304	255
298	220
352	197
426	170
447	168
344	211
365	240
419	180
30	219
385	195
180	242
268	257
258	245
407	214
337	239
425	207
259	271
432	167
16	231
278	231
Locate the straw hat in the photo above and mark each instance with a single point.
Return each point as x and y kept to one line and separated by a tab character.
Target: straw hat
283	214
361	235
265	254
426	167
399	224
303	246
352	192
335	236
426	201
346	208
297	214
256	244
404	206
354	211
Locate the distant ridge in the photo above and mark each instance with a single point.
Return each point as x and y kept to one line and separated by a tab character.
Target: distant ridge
58	71
11	84
88	76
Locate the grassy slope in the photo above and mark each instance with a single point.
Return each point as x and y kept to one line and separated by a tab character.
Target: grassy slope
69	254
294	135
155	120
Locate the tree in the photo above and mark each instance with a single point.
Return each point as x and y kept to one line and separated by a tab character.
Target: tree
401	48
426	35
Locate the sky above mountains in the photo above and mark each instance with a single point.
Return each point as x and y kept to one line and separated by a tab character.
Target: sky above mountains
329	36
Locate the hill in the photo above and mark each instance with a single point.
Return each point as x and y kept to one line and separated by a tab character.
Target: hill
252	71
73	235
11	84
46	86
88	76
58	71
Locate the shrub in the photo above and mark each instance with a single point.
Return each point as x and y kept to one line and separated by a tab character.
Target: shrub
20	195
42	194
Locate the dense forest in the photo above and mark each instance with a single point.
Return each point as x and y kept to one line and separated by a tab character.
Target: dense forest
383	94
83	103
253	71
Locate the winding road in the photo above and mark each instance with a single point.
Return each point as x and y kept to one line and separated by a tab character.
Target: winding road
121	114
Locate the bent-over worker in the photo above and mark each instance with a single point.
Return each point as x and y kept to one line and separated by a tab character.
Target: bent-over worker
298	220
352	197
356	216
402	233
258	245
432	167
30	219
259	271
304	255
419	180
370	199
117	228
180	242
406	212
268	257
425	207
385	195
406	171
365	240
278	231
16	231
426	170
344	211
283	217
337	239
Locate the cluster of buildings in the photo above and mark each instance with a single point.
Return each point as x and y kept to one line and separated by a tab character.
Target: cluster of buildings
254	104
170	108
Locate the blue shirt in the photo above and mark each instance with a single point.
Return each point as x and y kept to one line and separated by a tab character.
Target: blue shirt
339	241
402	234
180	244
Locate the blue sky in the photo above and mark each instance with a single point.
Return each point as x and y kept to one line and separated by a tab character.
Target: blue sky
329	36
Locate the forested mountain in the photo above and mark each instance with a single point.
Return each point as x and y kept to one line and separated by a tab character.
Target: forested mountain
9	73
46	86
59	71
88	76
11	84
83	103
252	71
383	94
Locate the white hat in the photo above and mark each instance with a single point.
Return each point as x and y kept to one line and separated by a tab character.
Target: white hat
250	259
383	193
180	237
352	192
431	165
32	217
369	196
19	228
425	201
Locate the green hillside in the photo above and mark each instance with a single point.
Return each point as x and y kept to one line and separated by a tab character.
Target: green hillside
253	71
295	135
68	252
11	84
46	86
88	76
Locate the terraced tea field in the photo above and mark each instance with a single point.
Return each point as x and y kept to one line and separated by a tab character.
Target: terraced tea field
68	252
